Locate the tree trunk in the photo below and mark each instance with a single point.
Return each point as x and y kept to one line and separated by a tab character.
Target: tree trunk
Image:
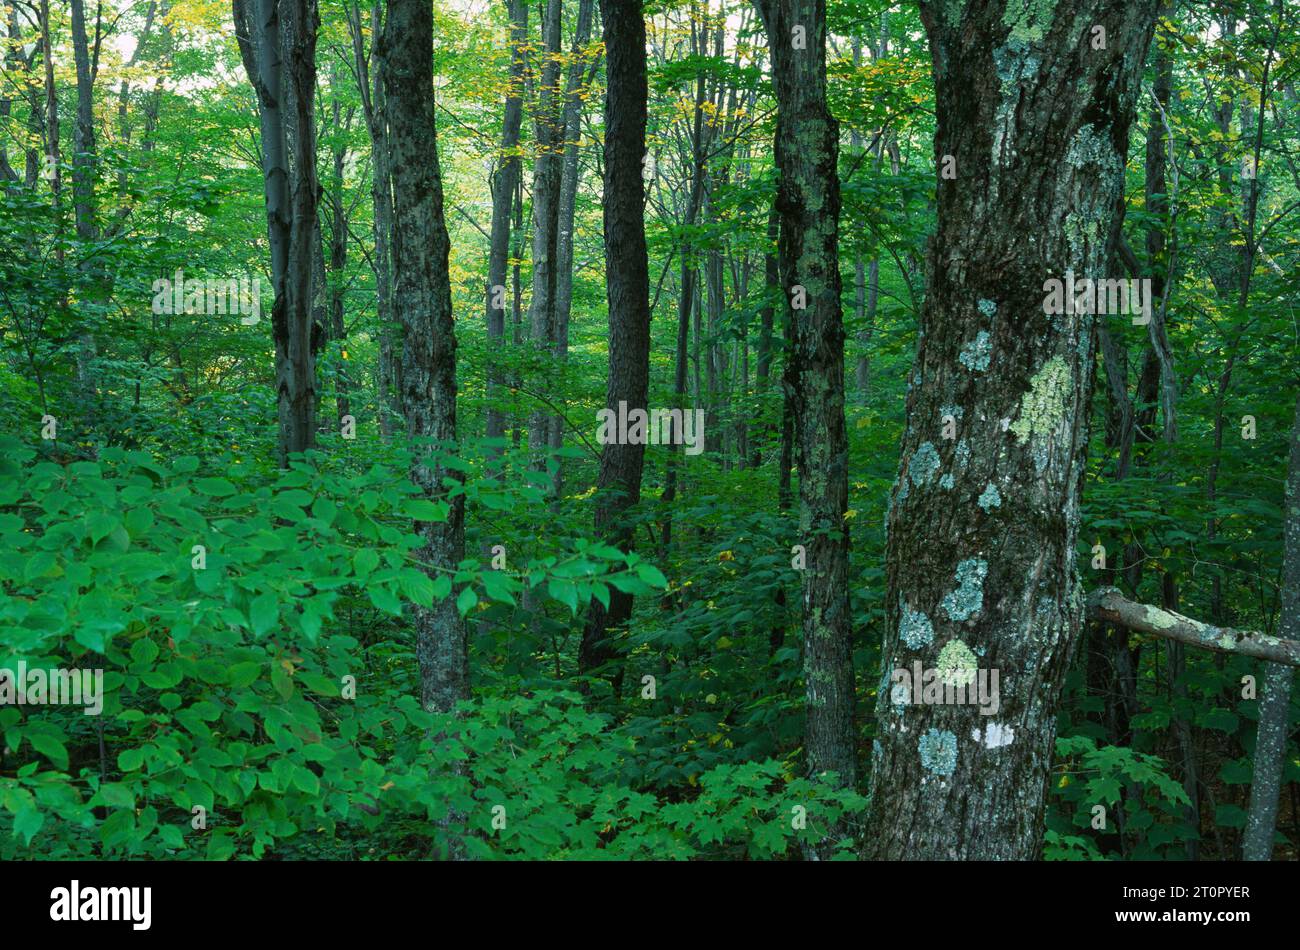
290	204
1275	706
546	208
569	177
982	529
767	323
422	301
627	283
808	198
371	88
505	180
338	263
91	293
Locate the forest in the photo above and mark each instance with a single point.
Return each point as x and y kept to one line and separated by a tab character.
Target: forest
643	430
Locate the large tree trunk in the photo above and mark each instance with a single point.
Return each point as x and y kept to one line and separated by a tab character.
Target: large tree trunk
504	182
422	301
627	282
808	199
306	275
982	529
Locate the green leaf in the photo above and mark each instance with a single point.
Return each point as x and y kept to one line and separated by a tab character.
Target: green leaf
264	614
306	780
50	747
216	487
27	822
384	599
651	575
364	561
421	509
128	760
565	592
417	586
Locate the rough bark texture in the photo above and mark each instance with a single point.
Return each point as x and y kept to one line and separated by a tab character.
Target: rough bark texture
422	300
546	214
505	180
627	282
1275	704
808	200
304	333
1110	604
338	262
982	528
290	205
83	200
570	172
369	70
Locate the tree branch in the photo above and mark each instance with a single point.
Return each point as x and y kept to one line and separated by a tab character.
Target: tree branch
1110	605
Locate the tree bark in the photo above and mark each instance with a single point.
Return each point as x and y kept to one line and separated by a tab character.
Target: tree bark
84	209
371	90
338	263
627	283
1275	706
290	203
982	529
422	301
570	173
546	219
505	181
808	199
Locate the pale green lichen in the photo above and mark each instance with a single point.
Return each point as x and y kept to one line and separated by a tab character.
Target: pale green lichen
947	481
957	664
1045	405
1028	19
975	354
1159	618
962	453
987	307
915	628
924	464
991	498
938	749
969	595
954	411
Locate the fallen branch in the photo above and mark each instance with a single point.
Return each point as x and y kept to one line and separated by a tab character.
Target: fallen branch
1110	605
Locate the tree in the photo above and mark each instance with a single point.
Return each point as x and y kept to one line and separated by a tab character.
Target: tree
808	200
627	283
1034	107
505	180
422	300
291	195
1275	707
